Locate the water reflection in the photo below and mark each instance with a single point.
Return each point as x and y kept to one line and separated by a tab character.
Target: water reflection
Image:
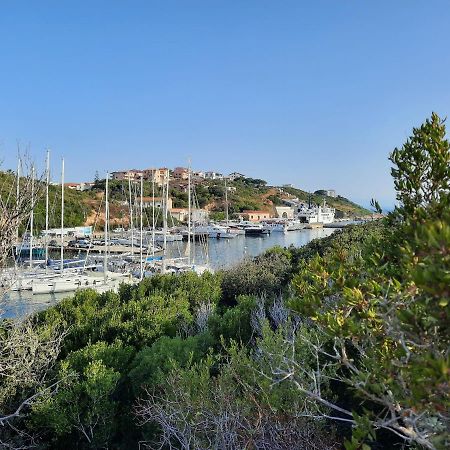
221	253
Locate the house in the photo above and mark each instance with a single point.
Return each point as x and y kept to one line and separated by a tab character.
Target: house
198	174
180	173
255	216
77	186
197	215
234	175
132	174
72	186
147	202
331	193
159	176
87	186
213	176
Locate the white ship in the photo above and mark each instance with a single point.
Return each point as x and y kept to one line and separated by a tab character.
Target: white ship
321	214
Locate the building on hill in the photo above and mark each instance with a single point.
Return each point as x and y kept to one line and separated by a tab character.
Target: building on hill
132	174
198	215
234	175
151	174
157	175
198	174
180	173
255	216
72	186
213	176
79	186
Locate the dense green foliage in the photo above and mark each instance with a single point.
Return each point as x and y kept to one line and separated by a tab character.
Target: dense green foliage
341	343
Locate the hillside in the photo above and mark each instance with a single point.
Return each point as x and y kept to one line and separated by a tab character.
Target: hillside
255	194
86	208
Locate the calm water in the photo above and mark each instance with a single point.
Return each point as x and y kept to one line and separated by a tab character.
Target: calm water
226	252
222	253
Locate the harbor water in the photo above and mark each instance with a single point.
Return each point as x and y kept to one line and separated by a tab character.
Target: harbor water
218	254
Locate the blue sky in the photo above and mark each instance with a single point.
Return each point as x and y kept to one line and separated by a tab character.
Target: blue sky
314	93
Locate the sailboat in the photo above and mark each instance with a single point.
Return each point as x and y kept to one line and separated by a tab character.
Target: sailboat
26	250
16	278
70	280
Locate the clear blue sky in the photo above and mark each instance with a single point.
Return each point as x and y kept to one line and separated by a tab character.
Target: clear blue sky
315	93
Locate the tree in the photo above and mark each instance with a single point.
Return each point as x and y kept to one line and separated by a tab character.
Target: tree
382	310
27	354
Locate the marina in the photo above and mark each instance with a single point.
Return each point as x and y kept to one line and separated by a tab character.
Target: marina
221	253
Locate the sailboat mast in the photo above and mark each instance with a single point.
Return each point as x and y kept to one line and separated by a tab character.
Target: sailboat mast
17	206
226	201
62	216
32	217
47	205
153	212
105	259
141	211
189	214
166	198
131	216
19	162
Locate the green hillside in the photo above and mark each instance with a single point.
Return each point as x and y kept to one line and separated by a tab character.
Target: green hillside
82	208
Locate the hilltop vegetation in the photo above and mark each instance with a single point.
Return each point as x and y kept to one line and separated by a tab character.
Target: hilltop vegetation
340	344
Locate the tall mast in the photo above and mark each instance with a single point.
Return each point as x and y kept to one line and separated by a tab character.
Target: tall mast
189	213
19	162
226	201
62	216
153	212
47	205
131	216
166	199
17	205
105	259
140	249
32	217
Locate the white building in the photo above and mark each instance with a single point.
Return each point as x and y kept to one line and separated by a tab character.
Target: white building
234	175
213	176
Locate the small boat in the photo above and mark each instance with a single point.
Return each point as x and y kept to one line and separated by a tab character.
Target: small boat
255	229
22	251
278	226
216	231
